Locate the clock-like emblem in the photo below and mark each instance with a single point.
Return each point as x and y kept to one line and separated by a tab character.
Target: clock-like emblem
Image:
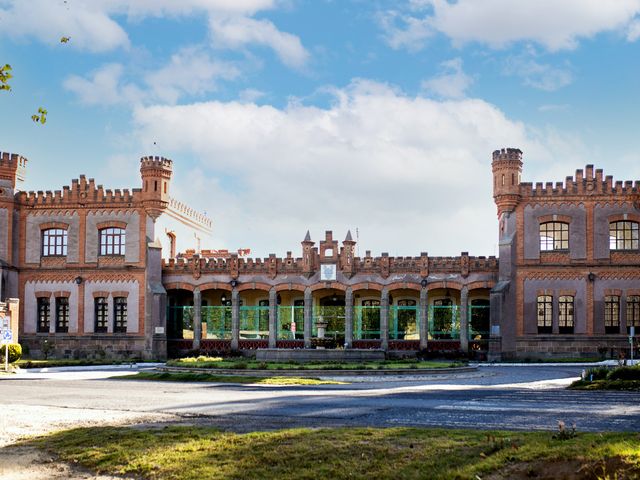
328	272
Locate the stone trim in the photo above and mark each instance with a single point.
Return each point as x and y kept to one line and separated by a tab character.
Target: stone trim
48	225
624	217
100	294
111	224
554	218
544	291
43	294
61	294
120	294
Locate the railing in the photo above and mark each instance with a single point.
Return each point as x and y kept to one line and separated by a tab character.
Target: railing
366	323
180	322
404	323
216	322
254	322
290	323
332	317
444	322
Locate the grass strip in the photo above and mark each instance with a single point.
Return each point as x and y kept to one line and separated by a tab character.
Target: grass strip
186	453
240	364
206	377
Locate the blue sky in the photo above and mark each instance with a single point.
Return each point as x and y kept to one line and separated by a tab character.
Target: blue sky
283	116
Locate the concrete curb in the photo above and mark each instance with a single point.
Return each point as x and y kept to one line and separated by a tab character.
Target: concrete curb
321	373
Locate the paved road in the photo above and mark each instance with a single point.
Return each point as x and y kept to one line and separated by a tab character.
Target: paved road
530	397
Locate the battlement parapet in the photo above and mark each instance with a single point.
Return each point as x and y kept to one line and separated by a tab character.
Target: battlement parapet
82	192
150	162
507	154
586	182
12	166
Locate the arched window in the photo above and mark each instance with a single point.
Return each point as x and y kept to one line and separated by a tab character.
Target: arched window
112	241
623	235
545	313
554	236
565	314
54	242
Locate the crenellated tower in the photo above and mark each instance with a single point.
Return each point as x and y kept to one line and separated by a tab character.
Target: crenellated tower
308	256
12	170
507	169
156	175
347	255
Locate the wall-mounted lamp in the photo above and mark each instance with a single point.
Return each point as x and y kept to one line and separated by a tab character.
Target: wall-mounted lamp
78	280
424	283
223	299
233	283
591	276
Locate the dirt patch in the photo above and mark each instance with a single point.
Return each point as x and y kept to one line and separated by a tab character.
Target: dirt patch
29	463
614	467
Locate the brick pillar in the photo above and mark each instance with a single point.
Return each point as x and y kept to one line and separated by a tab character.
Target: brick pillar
273	320
348	318
197	318
308	318
235	318
384	319
424	318
464	319
496	300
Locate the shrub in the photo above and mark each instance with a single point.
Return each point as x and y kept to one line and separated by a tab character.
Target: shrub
624	373
15	352
599	373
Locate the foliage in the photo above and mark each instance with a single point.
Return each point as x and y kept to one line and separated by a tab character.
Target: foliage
46	348
603	378
564	433
340	453
625	373
40	117
15	352
5	76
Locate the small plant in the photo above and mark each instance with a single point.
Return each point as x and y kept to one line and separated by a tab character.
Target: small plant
47	348
15	352
495	444
564	433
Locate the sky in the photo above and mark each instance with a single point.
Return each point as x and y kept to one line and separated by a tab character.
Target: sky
283	116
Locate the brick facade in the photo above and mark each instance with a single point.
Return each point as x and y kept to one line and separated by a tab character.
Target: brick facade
91	261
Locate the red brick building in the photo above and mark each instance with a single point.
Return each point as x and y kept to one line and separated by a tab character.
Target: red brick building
97	272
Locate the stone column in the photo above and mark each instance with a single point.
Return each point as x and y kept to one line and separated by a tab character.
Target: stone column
424	317
348	318
197	318
308	306
273	325
495	337
235	319
384	319
464	320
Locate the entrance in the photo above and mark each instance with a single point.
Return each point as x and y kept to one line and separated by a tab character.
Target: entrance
328	322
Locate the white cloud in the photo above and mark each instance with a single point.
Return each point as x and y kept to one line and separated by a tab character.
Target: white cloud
633	33
411	173
405	31
104	87
451	83
190	72
238	31
557	25
538	75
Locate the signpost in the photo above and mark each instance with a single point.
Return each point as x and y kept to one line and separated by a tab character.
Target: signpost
6	336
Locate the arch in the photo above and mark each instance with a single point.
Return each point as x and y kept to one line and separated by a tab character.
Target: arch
214	286
404	286
367	286
624	217
481	284
50	225
254	286
290	287
329	286
444	284
179	286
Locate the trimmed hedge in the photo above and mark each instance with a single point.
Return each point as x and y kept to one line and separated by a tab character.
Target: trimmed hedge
15	352
625	373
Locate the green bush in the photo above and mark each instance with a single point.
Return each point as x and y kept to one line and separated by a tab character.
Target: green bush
625	373
15	352
599	373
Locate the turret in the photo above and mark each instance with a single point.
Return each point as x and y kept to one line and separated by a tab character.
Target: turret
156	175
507	169
347	255
12	169
308	255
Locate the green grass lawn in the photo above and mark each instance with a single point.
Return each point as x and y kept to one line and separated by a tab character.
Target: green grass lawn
183	453
206	377
242	363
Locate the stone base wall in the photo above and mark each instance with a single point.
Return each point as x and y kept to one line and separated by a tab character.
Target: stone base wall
281	355
573	346
96	347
